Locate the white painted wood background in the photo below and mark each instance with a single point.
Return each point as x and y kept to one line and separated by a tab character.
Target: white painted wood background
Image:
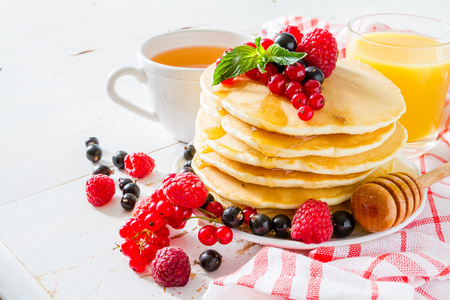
54	59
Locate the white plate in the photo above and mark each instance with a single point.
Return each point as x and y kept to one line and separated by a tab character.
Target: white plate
402	164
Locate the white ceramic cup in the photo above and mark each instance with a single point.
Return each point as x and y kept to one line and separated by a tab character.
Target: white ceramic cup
174	92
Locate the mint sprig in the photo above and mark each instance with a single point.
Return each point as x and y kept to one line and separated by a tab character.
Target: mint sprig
244	58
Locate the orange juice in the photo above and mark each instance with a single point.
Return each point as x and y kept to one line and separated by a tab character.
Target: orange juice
189	57
418	66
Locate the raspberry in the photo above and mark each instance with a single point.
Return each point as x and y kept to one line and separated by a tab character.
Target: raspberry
294	31
312	222
139	164
171	267
321	48
186	190
100	189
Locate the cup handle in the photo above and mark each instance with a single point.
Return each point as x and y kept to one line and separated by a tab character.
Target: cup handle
140	76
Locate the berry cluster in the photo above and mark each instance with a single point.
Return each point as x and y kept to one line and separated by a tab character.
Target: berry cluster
170	205
302	81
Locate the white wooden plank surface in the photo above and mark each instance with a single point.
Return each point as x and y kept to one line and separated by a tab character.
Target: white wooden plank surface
54	59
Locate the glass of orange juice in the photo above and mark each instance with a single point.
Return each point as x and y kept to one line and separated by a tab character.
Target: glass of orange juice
414	53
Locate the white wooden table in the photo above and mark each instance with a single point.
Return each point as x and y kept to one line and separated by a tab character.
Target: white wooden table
54	59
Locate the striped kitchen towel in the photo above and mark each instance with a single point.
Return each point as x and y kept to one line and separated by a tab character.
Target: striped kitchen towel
413	263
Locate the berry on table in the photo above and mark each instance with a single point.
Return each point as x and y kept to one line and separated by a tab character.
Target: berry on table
281	225
249	212
128	201
343	223
312	222
305	113
210	260
123	182
94	153
171	267
233	216
153	221
215	208
91	141
138	263
207	235
100	189
185	189
132	188
139	164
321	48
118	159
260	224
224	235
209	199
102	169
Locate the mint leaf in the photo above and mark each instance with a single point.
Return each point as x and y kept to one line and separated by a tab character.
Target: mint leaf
282	56
236	62
245	58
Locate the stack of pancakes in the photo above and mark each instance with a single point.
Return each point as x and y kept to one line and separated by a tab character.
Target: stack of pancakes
253	150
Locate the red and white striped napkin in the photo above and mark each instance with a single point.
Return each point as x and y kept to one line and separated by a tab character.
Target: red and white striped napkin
413	263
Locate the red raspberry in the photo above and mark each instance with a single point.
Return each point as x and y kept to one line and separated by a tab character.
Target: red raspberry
294	31
100	189
321	48
139	164
171	267
185	189
312	222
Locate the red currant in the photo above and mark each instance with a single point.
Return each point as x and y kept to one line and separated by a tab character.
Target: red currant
228	81
179	215
125	232
142	214
129	248
207	235
277	84
165	208
252	74
305	113
299	100
218	60
270	70
249	212
311	86
266	43
316	101
137	225
160	241
138	263
224	235
226	51
153	222
293	88
215	208
164	231
295	72
149	251
179	226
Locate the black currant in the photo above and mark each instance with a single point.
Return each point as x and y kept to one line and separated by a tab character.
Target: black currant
131	188
186	170
210	260
302	62
91	141
286	40
233	216
281	225
209	199
118	159
128	201
314	73
343	223
280	68
123	182
189	152
260	224
94	153
188	164
102	169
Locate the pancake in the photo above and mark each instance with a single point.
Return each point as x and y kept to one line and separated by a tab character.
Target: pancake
275	177
281	145
228	146
358	98
258	196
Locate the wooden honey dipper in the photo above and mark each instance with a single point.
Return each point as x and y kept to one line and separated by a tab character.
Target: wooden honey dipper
390	199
